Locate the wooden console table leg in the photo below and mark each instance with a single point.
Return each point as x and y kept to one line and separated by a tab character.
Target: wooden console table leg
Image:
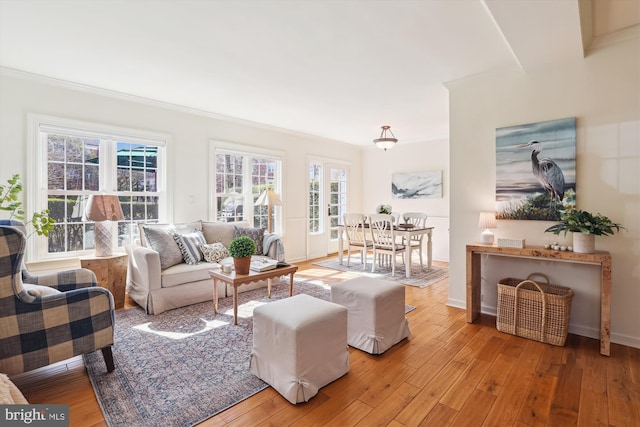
473	285
605	309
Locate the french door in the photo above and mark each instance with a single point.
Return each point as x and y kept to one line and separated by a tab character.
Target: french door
336	204
328	197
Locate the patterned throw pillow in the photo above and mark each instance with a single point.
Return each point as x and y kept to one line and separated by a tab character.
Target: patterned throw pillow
257	234
189	245
214	252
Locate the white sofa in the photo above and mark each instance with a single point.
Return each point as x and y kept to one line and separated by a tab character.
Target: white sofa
157	289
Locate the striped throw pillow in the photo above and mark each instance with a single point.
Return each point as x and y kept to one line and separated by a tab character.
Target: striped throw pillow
189	245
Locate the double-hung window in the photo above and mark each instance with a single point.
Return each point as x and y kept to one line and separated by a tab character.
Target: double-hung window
240	178
74	160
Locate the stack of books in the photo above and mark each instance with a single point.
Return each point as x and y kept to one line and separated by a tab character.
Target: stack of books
263	264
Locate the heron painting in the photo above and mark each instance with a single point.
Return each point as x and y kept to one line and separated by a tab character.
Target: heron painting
536	169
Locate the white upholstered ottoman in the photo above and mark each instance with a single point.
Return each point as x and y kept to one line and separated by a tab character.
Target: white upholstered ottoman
376	312
299	345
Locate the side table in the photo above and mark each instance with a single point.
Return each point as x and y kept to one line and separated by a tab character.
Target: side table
111	272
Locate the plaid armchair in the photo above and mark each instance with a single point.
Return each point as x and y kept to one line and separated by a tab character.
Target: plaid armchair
51	317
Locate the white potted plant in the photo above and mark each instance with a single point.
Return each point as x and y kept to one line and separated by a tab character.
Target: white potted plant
585	226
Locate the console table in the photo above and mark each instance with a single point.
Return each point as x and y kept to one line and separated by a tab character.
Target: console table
601	258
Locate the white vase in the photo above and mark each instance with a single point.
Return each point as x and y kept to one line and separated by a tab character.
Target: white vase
584	243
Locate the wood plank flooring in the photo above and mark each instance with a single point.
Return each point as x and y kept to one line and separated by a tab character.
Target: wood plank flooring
448	373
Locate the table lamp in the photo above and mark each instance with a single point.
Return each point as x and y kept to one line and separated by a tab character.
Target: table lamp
487	221
103	209
269	198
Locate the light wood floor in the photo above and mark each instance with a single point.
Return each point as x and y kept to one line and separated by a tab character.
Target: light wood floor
448	372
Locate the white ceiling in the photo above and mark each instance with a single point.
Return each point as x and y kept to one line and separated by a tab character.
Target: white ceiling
334	69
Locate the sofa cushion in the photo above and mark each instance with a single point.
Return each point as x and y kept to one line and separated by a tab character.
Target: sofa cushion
257	234
182	228
189	245
214	252
221	231
160	239
182	273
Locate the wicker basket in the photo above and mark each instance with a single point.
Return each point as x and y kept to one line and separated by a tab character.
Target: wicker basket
534	310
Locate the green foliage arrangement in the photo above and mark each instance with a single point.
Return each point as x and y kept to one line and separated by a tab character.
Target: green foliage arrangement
241	247
10	202
384	209
578	221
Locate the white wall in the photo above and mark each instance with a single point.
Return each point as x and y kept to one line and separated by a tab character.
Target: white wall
603	93
191	133
379	165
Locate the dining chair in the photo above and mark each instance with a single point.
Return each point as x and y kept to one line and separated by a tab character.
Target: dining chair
357	237
384	240
418	220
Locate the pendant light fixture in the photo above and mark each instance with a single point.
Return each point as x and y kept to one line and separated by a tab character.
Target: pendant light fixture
384	141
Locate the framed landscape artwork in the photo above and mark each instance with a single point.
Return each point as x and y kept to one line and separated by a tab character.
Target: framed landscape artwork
536	170
416	185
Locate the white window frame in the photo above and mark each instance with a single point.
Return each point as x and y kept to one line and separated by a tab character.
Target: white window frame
224	147
36	173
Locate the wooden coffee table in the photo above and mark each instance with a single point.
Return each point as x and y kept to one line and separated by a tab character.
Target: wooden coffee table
237	280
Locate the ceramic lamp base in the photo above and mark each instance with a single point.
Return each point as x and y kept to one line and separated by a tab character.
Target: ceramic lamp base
486	237
103	239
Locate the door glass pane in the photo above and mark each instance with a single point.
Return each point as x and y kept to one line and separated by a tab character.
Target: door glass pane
315	180
337	199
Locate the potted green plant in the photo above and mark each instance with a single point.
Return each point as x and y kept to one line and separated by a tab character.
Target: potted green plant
10	202
240	249
585	226
384	209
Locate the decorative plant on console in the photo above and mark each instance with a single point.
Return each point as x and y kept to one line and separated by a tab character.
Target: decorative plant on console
9	202
240	249
585	226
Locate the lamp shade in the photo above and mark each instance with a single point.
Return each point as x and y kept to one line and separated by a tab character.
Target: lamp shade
269	198
487	220
103	208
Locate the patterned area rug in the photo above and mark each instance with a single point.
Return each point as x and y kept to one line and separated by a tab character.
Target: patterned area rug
185	365
420	277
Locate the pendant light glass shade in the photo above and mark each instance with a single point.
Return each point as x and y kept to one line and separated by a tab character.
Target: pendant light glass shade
385	142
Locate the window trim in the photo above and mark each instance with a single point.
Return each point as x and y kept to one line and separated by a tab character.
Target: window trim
224	147
36	167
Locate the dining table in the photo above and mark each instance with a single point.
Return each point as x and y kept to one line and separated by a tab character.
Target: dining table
407	231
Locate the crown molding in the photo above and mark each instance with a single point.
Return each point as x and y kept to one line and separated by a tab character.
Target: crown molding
93	90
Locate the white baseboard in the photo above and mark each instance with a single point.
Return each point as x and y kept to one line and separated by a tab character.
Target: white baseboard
582	330
456	303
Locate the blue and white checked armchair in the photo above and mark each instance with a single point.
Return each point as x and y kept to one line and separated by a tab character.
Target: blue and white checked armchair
40	326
